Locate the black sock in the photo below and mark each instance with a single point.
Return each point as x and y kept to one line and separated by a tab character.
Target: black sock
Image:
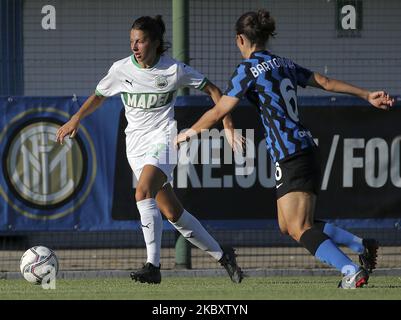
319	224
312	238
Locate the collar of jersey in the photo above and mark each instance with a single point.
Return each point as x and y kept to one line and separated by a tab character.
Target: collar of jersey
140	67
260	51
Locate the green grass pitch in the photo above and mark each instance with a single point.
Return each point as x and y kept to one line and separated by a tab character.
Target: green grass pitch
216	288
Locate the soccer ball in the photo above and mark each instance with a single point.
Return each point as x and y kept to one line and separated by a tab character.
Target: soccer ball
37	262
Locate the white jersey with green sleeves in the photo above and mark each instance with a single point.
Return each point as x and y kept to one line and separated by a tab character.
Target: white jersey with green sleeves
148	95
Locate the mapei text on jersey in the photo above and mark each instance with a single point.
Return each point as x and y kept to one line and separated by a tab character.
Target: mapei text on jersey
147	100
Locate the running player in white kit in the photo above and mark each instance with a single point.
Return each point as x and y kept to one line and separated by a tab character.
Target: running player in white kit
148	82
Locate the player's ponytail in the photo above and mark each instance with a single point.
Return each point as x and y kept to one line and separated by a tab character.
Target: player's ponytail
258	27
163	47
161	24
267	23
154	28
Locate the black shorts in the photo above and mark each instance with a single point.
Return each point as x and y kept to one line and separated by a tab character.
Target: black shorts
299	172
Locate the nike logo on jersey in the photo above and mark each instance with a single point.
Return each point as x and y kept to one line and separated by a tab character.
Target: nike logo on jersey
130	82
279	185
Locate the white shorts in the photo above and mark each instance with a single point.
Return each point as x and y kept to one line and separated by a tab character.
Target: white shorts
158	155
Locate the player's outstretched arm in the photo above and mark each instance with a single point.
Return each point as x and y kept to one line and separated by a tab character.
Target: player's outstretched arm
71	126
235	140
225	105
378	99
215	93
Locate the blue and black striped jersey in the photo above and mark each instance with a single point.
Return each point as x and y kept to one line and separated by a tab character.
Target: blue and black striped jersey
270	82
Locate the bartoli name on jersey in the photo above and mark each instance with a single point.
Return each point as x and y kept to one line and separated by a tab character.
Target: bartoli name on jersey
147	100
